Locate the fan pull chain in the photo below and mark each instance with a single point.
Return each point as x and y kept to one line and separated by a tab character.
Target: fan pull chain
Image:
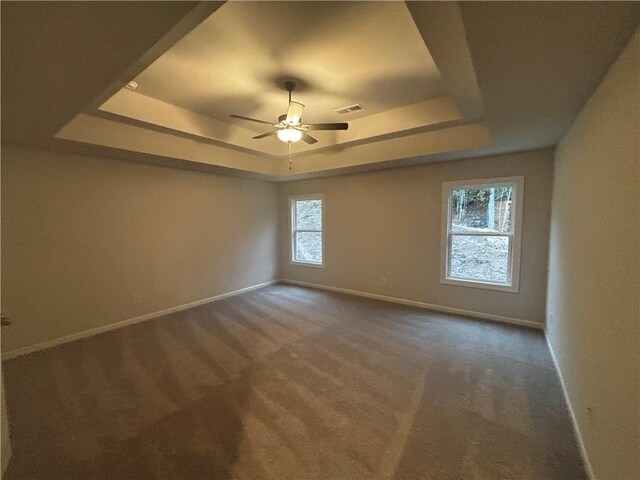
290	146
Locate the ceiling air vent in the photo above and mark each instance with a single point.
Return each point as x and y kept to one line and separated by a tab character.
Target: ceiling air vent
350	109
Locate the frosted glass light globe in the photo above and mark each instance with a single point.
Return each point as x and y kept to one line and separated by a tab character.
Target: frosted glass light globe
289	134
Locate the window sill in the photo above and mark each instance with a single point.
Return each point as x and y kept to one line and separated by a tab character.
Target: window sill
481	285
306	264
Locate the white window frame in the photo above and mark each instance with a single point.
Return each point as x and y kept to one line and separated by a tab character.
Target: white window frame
513	284
293	230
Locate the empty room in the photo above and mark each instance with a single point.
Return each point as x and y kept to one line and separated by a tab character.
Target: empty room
320	240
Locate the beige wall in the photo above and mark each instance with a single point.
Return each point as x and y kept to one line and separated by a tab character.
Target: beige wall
388	224
593	317
5	441
82	236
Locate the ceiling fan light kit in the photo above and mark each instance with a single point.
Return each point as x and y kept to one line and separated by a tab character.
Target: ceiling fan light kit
289	134
290	128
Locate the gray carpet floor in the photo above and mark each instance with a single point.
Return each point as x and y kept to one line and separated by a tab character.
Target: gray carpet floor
288	382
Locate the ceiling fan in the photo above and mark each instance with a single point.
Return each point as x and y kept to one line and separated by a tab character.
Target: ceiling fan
290	127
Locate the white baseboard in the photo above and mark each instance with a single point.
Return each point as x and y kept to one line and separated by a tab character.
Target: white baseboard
428	306
123	323
574	420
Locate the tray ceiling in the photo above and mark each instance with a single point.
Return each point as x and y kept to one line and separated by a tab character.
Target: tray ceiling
236	60
341	53
414	66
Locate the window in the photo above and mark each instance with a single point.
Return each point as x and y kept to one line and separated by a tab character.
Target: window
306	230
482	233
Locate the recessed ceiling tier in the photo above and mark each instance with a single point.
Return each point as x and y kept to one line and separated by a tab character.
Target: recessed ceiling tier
437	80
237	60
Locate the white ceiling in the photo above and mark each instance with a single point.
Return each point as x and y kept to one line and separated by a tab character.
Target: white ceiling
510	76
341	53
338	54
57	57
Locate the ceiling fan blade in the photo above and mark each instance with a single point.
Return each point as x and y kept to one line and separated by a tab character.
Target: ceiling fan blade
251	119
308	138
294	114
265	135
328	126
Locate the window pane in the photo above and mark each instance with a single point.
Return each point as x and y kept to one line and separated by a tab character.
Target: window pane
482	209
308	247
479	257
309	214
